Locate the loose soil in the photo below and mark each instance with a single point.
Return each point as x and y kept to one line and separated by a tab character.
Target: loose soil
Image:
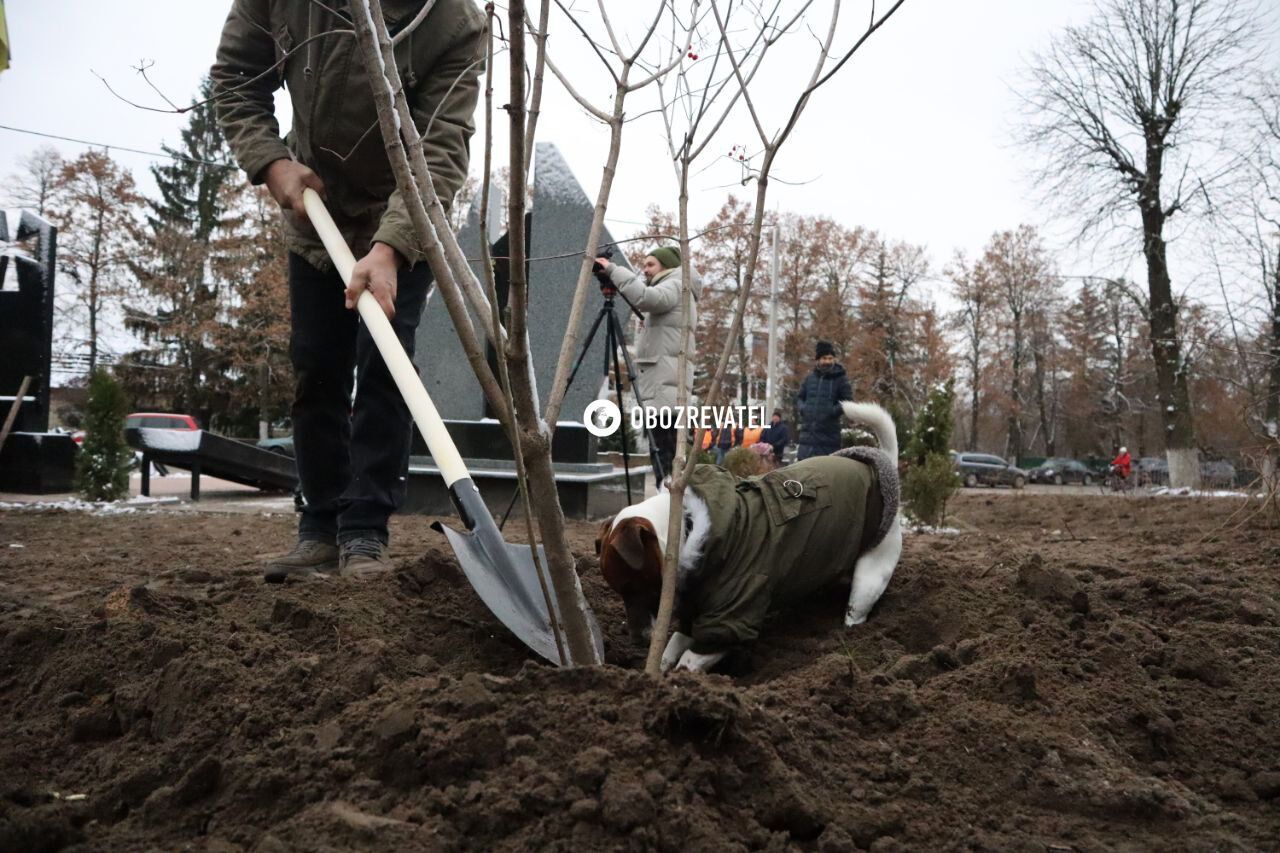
1065	673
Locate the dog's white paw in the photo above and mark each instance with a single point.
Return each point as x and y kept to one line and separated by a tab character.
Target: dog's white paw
851	619
676	647
694	662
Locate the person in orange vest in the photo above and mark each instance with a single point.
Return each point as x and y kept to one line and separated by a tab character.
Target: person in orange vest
727	438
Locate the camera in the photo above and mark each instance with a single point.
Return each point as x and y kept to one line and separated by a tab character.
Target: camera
599	271
603	252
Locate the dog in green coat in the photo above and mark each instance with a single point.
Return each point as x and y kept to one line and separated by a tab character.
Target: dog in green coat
751	546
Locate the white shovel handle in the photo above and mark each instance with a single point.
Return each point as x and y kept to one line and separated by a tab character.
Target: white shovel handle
443	451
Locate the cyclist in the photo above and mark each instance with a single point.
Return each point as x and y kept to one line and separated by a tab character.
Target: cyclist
1122	466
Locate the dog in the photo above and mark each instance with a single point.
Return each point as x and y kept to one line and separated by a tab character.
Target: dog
751	545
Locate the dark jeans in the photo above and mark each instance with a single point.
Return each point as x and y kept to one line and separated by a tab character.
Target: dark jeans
807	450
353	456
664	441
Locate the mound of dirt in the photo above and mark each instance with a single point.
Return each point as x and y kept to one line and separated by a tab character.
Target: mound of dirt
1066	673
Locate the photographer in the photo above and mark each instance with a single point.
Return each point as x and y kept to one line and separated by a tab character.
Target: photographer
657	350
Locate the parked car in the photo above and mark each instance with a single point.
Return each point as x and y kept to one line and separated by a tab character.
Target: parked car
1059	471
77	435
1152	471
160	420
985	469
1217	474
283	446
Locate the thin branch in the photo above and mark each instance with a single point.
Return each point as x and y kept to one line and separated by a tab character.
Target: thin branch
413	25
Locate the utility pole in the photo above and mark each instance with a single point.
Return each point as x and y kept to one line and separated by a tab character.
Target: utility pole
771	384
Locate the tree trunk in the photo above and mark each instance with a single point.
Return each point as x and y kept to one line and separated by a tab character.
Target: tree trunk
1171	375
95	266
404	149
1015	416
1046	422
1271	418
1273	379
973	411
535	436
264	419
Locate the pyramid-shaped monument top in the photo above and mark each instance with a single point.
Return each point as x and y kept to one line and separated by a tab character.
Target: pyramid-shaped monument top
560	219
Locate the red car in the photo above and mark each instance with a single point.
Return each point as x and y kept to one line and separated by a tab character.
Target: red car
157	420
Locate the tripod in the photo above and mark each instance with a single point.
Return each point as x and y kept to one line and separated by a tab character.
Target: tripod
614	340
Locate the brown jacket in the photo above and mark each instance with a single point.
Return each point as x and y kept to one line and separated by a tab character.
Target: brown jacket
267	44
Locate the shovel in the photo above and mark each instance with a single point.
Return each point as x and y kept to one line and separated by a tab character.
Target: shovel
504	575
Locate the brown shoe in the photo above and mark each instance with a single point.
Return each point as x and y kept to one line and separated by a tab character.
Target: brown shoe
363	557
307	557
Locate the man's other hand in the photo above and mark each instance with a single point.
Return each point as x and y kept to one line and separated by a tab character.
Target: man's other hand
286	179
376	272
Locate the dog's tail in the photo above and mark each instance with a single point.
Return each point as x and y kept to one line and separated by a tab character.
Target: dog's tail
877	421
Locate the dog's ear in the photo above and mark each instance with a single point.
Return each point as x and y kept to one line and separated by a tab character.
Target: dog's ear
604	533
631	540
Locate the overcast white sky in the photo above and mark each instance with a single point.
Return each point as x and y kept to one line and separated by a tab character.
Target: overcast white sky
912	139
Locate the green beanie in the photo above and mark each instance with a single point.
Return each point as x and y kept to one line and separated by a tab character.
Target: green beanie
668	256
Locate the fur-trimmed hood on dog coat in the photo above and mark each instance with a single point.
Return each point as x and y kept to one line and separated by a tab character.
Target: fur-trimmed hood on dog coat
768	541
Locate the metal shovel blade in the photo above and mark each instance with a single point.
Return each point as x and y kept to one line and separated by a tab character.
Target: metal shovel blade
504	575
506	579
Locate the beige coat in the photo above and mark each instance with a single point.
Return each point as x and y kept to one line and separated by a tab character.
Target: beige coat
267	44
657	349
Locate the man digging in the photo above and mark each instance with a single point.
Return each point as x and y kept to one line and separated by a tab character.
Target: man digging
352	453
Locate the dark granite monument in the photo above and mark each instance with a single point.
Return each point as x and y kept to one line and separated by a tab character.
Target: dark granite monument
26	317
559	218
556	225
32	460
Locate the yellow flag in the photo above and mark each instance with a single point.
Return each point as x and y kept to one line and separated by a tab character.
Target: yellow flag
4	40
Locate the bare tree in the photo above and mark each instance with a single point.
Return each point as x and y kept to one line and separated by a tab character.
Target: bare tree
896	270
32	187
1017	267
96	208
621	67
1121	381
975	320
1263	243
517	407
692	118
1122	107
1044	346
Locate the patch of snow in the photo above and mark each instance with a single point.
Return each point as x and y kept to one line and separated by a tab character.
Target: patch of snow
1168	492
92	507
929	530
178	440
16	545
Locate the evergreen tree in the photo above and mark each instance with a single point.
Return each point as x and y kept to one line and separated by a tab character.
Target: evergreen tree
102	469
932	479
191	185
934	425
180	366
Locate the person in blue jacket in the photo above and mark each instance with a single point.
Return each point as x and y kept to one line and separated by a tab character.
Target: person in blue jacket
777	434
819	404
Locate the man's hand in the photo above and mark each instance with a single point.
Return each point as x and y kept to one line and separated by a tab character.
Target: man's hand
604	264
286	180
376	273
